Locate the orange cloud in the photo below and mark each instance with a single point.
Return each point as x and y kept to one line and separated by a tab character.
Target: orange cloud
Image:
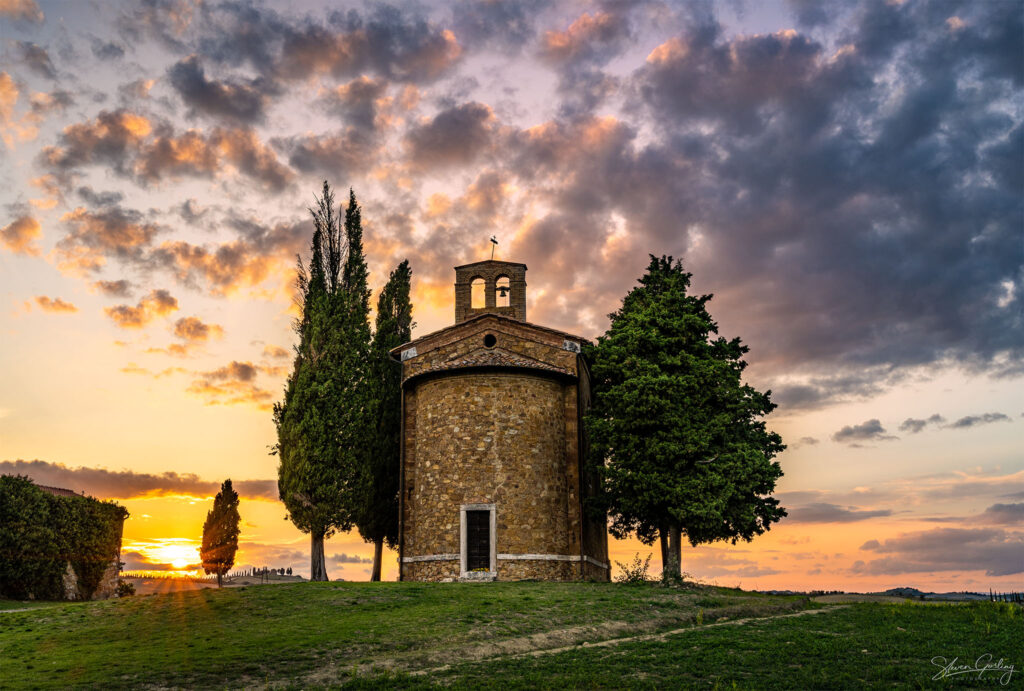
50	187
54	304
225	268
96	235
438	205
582	36
193	330
9	127
127	484
132	368
276	352
233	384
136	147
157	304
19	236
24	10
120	288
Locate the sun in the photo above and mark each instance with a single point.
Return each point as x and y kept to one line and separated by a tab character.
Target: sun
178	553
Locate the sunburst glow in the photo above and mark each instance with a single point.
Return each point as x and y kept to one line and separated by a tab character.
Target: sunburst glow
178	553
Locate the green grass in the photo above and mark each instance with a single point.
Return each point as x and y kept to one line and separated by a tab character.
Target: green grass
474	635
859	646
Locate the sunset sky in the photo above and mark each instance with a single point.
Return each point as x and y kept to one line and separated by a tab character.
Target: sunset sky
846	178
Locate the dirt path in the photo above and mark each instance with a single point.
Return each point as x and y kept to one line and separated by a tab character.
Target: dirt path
608	633
632	639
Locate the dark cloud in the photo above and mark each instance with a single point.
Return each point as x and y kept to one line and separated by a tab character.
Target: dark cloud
811	13
589	40
151	151
915	425
107	50
1003	514
832	513
35	58
232	384
243	102
507	26
727	82
93	198
165	21
869	430
261	252
191	212
455	136
193	154
94	237
387	41
193	329
158	303
975	420
120	288
807	441
340	155
349	559
137	561
43	104
997	552
824	390
126	484
110	138
356	102
819	192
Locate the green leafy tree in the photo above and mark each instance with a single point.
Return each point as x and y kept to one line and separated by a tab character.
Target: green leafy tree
220	533
322	422
41	534
675	435
378	516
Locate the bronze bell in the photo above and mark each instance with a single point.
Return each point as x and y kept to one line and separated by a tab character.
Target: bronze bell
503	291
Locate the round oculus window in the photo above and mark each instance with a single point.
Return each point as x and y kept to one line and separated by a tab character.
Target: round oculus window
490	340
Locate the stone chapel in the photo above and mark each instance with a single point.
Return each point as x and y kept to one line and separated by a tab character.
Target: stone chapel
492	484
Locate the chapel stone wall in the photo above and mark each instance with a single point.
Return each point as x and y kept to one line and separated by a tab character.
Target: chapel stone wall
489	438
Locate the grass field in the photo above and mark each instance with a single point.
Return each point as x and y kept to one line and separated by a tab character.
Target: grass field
507	635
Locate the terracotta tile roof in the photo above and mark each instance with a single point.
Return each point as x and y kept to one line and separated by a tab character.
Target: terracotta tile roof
396	352
488	358
59	491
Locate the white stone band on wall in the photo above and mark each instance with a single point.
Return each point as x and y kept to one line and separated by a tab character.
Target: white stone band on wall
511	557
431	557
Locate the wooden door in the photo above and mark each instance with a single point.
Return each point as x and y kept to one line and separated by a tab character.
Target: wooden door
478	540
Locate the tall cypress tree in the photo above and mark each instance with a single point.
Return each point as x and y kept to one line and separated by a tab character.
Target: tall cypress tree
321	423
676	436
220	533
378	516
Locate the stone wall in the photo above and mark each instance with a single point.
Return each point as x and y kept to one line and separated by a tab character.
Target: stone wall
492	417
486	438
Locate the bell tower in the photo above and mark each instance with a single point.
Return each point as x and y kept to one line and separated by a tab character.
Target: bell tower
490	287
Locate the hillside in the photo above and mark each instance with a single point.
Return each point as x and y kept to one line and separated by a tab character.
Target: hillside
493	635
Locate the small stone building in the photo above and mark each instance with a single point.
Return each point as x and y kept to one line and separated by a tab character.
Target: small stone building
107	587
492	480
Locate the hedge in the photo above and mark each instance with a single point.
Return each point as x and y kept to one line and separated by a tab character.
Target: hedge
40	534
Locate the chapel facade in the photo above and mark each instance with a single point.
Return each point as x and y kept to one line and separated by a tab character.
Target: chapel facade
493	484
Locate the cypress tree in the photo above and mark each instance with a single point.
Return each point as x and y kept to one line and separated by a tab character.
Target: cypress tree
220	533
321	423
675	435
378	516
